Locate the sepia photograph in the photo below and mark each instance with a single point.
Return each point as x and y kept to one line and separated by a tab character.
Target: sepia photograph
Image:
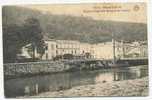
75	50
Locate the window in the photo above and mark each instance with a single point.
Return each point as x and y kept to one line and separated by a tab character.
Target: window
75	52
56	52
83	51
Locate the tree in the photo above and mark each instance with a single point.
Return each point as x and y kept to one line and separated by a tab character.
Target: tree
15	37
12	44
33	34
68	56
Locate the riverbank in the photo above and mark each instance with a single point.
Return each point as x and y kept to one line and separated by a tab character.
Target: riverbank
136	87
14	70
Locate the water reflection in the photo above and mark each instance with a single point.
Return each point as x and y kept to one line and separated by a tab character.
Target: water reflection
61	81
129	73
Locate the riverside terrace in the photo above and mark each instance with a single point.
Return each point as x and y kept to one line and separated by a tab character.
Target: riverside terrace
32	68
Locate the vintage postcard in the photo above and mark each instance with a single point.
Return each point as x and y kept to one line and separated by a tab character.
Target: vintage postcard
75	50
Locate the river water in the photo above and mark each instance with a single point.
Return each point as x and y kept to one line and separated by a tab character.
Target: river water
66	80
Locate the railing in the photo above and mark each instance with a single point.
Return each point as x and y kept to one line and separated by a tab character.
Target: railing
19	69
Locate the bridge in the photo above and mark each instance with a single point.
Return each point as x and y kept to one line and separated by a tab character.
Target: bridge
102	63
126	49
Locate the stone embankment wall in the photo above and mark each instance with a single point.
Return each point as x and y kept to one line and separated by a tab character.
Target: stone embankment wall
19	69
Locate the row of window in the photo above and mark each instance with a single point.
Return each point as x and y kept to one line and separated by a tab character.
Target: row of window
58	52
74	52
53	46
59	46
67	46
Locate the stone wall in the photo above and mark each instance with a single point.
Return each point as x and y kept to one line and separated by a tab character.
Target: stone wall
19	69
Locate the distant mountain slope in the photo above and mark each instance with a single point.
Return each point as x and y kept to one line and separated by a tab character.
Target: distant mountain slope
76	28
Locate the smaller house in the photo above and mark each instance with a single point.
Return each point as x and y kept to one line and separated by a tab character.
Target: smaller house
26	52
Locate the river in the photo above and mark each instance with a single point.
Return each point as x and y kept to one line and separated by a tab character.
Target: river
66	80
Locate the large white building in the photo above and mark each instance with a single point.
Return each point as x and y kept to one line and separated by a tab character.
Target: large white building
98	51
61	47
103	50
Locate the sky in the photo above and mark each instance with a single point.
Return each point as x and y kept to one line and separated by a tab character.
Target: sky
126	12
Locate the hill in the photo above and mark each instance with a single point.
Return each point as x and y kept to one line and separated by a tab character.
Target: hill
75	28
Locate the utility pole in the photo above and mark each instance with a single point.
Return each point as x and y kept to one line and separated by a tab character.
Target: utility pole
113	41
123	49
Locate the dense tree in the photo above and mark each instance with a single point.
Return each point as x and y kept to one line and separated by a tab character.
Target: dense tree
11	42
15	37
33	33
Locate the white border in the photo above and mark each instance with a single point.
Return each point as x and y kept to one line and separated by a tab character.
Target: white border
9	2
14	2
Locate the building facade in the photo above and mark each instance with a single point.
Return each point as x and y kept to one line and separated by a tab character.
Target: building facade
55	48
61	47
97	51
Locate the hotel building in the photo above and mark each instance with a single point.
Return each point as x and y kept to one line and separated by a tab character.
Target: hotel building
97	51
103	50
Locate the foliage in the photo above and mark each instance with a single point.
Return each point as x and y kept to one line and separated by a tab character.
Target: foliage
32	31
12	37
68	56
77	28
15	37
